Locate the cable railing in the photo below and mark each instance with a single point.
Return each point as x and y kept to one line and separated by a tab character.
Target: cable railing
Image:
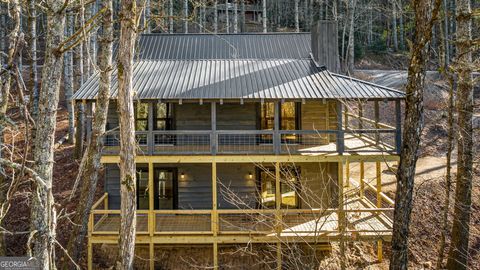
232	142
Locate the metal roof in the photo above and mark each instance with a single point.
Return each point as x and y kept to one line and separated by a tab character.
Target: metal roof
240	79
224	46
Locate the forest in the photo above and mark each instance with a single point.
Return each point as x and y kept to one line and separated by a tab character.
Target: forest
51	162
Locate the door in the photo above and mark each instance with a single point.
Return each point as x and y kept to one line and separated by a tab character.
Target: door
165	188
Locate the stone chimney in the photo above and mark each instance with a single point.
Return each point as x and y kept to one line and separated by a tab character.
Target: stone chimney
325	45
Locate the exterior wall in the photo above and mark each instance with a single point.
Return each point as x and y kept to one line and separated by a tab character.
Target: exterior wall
237	116
317	115
319	186
192	116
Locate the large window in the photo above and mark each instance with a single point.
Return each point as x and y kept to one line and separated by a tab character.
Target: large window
288	188
289	114
162	116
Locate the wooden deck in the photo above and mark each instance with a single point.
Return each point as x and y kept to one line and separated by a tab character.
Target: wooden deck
295	223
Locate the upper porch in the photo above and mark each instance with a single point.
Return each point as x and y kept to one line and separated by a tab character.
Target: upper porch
283	127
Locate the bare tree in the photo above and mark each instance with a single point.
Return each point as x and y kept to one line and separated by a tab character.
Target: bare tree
264	15
215	16
68	80
128	28
425	16
394	25
90	169
43	214
170	16
458	253
235	16
297	20
185	16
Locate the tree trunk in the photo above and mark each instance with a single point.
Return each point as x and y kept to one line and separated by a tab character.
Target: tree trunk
424	20
297	22
235	16
402	27
264	15
68	81
458	254
43	215
215	17
394	25
32	21
227	17
185	16
127	134
242	16
6	81
91	170
351	37
170	16
78	73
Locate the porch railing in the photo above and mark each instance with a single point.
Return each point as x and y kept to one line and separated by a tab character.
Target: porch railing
221	142
261	222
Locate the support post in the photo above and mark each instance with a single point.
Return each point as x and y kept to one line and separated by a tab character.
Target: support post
89	254
362	179
346	118
380	250
398	127
347	173
377	121
152	255
341	213
360	117
278	201
150	139
379	184
213	135
279	255
214	216
340	131
276	128
151	214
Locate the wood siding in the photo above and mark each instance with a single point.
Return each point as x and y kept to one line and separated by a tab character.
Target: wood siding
319	115
318	185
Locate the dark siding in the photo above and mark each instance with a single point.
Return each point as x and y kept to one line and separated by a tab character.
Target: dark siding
319	185
195	190
237	117
112	185
234	180
112	117
193	116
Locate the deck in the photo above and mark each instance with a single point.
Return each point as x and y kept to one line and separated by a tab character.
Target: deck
362	219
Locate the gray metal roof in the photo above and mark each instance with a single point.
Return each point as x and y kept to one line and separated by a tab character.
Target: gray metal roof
224	46
240	79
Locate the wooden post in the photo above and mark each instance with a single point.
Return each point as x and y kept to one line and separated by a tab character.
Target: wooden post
279	255
377	120
398	127
276	128
379	184
151	217
150	138
346	117
213	136
340	132
360	117
341	213
347	172
362	179
89	254
215	255
380	250
278	201
214	215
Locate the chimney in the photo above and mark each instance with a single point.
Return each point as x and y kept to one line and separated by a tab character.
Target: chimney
325	45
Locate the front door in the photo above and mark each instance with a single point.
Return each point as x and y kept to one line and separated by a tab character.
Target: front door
165	188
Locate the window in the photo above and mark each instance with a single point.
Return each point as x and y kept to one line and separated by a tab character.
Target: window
288	188
288	116
141	116
163	119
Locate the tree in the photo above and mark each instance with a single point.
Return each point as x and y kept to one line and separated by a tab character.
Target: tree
264	15
89	173
297	22
425	16
43	214
458	253
68	81
128	28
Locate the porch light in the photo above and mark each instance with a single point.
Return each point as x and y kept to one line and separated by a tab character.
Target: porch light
182	175
250	175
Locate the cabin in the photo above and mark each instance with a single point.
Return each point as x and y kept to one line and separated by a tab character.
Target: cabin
249	138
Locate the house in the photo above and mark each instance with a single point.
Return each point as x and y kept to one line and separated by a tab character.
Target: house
249	138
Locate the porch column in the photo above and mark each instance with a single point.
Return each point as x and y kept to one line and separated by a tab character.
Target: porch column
377	121
362	179
276	128
150	138
278	214
151	214
214	215
341	213
213	135
340	132
379	205
398	127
